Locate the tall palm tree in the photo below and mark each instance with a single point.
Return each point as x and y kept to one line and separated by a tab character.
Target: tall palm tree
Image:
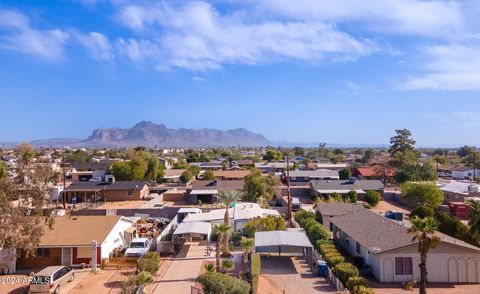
424	231
217	249
227	197
474	219
224	230
247	245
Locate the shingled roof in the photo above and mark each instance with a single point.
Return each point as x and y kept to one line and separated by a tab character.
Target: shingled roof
379	234
336	209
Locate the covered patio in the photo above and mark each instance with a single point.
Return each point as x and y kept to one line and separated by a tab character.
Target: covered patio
284	243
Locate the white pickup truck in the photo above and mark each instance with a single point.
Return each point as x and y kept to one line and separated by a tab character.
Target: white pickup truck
138	247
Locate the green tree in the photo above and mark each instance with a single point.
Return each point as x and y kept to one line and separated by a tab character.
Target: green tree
26	152
78	156
352	196
368	156
465	151
208	175
121	170
474	219
227	197
422	194
402	148
258	187
424	231
345	173
3	170
272	155
416	172
299	151
247	245
372	197
186	176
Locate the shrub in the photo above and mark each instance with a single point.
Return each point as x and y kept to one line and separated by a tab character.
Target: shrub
143	278
362	290
236	238
228	264
325	243
324	248
302	214
307	222
217	283
372	197
422	212
354	282
333	259
345	271
352	196
317	232
149	263
367	206
255	270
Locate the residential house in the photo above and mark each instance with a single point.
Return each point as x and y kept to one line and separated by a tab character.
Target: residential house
218	165
465	173
374	172
304	176
69	241
327	165
106	191
324	188
240	214
273	167
325	211
207	191
230	175
173	175
389	254
457	191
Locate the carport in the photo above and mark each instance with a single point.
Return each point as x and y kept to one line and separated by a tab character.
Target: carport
284	243
194	230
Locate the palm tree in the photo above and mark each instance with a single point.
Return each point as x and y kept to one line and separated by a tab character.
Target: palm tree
223	230
210	267
247	245
227	197
227	265
424	231
474	219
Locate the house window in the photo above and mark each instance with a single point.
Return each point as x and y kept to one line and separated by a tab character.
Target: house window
403	266
43	252
359	251
130	192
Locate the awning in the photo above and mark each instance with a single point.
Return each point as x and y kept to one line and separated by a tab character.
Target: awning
203	228
204	192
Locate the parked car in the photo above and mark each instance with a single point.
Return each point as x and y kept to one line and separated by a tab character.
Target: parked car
95	179
295	204
138	247
159	205
50	279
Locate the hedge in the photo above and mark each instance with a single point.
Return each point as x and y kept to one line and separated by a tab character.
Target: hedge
355	282
255	266
362	290
333	259
345	271
317	232
217	283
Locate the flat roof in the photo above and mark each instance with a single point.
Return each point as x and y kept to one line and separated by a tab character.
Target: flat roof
282	238
193	228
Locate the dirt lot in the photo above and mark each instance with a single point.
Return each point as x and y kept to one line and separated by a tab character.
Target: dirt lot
385	205
122	204
103	281
281	274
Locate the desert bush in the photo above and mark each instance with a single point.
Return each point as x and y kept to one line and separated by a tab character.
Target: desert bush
345	271
217	283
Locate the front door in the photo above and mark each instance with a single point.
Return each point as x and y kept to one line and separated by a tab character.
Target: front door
67	256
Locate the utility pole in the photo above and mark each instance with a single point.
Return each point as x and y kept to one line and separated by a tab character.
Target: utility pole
64	184
474	166
289	197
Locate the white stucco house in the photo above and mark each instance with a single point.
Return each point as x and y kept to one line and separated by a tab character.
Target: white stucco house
389	253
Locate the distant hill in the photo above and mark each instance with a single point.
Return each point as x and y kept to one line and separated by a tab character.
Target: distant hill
149	134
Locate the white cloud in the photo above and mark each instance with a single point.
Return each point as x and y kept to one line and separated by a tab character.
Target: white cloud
97	44
20	36
409	17
197	37
448	67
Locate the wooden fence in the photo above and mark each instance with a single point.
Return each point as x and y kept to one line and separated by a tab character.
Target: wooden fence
119	263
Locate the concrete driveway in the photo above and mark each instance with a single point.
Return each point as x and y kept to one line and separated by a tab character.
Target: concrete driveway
283	274
183	271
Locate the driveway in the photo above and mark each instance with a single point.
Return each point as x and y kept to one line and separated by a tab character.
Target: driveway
282	274
184	269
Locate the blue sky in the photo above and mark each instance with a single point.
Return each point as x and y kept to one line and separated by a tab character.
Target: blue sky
341	71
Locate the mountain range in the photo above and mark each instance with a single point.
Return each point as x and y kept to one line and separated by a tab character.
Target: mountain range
149	134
